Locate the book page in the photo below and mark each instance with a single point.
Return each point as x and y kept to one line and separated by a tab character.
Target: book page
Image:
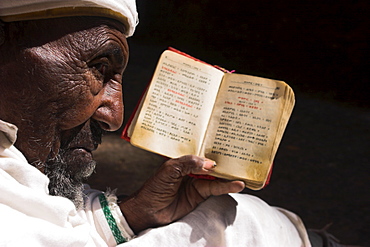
175	113
245	128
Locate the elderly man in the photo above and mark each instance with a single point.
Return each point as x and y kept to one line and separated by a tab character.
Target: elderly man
61	66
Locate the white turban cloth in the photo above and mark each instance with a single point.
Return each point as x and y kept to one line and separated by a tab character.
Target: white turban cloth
121	10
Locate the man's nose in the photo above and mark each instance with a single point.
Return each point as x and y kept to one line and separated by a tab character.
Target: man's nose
110	112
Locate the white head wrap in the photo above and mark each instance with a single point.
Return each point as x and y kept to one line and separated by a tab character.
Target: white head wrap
121	10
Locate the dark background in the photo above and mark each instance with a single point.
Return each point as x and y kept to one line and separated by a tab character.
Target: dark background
320	48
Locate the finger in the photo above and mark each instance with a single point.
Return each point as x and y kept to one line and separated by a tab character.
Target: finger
208	166
190	164
208	188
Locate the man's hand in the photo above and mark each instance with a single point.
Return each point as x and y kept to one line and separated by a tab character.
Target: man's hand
170	194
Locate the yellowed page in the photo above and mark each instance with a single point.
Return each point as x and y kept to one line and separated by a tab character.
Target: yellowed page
175	114
136	115
245	127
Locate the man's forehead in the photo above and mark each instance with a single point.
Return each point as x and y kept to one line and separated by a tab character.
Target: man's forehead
82	30
82	23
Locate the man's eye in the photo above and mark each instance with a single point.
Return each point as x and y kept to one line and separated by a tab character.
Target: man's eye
102	68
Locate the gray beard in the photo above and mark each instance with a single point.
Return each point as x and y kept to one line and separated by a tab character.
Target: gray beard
66	181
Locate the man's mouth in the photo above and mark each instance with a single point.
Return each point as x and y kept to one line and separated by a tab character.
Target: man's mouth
81	141
89	148
83	145
83	151
80	161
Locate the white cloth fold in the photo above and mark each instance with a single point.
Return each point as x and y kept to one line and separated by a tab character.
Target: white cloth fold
229	220
121	10
31	217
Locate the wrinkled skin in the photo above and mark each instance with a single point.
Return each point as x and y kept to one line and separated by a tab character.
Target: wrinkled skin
61	84
170	194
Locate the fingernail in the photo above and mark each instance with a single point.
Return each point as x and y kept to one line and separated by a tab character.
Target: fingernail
209	164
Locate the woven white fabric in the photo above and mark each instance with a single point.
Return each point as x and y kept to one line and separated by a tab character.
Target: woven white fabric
121	10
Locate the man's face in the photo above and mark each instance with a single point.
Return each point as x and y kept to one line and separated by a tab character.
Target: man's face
71	91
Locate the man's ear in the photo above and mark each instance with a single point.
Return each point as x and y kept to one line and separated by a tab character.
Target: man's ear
2	33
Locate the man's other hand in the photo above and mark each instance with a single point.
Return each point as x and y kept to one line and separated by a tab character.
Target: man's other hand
170	194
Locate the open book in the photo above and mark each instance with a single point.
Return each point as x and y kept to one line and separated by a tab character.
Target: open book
192	107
